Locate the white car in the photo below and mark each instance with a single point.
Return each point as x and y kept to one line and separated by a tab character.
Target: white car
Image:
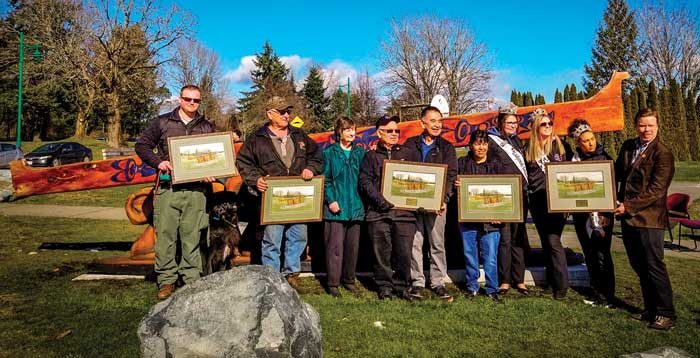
8	153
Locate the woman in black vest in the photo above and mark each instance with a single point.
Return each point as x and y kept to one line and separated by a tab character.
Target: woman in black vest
544	147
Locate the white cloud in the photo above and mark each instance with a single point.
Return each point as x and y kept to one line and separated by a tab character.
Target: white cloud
241	75
337	73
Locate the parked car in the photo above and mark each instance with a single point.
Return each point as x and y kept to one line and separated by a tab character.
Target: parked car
59	153
8	153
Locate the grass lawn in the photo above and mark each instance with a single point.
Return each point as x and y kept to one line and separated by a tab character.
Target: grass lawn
687	171
44	314
110	197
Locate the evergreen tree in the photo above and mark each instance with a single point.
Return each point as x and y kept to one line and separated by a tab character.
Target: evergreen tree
520	102
557	96
573	92
339	104
567	96
539	99
581	96
514	97
692	122
317	103
653	97
676	119
269	71
616	46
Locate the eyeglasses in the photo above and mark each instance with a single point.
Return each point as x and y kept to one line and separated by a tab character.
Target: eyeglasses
282	112
391	131
188	99
546	124
511	123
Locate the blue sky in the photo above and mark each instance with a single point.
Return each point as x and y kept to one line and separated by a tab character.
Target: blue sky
536	45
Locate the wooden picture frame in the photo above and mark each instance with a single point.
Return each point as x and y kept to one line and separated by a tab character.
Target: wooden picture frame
487	198
196	157
581	186
289	200
413	185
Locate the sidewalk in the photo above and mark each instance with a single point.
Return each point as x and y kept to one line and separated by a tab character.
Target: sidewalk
569	238
63	211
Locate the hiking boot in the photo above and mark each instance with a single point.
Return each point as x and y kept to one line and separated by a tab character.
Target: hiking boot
662	323
385	294
441	292
405	295
495	297
352	288
165	291
293	280
415	292
559	295
643	317
333	291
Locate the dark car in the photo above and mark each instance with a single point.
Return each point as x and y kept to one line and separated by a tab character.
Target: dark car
8	153
55	154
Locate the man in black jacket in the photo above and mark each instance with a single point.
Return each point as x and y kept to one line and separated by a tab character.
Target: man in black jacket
276	149
391	230
430	147
179	208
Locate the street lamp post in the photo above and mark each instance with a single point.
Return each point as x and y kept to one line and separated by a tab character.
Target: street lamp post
37	56
348	88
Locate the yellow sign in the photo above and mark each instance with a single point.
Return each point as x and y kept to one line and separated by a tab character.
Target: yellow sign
297	122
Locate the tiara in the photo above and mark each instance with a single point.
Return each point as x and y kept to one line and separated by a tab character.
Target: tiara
509	109
580	129
539	112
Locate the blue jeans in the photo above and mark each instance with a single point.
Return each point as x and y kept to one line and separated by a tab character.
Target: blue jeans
488	241
295	235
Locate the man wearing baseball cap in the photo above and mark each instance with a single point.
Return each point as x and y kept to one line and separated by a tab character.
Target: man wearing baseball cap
277	149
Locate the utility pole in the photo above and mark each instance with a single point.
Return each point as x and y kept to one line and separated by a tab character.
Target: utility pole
37	56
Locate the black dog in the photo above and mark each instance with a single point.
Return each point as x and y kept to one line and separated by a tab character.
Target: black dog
224	234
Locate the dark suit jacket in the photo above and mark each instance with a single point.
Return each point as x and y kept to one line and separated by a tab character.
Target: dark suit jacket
643	185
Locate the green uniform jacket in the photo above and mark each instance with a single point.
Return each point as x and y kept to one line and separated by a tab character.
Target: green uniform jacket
341	183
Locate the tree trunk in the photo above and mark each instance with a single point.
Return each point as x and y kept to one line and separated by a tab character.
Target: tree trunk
114	120
81	124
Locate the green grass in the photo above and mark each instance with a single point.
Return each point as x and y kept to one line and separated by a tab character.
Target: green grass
39	303
110	197
687	171
566	192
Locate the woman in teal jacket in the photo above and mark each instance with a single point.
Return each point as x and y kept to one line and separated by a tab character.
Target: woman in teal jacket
343	210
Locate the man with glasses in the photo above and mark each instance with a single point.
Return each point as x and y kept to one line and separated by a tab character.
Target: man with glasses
278	149
179	209
430	147
391	230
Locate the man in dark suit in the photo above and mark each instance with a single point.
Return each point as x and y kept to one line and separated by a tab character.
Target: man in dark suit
644	170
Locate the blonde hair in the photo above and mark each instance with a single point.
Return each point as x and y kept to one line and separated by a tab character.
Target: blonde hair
537	148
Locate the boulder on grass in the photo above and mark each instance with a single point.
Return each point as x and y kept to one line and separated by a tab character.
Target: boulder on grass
249	311
661	352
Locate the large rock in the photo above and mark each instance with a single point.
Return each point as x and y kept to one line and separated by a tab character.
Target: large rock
249	311
661	352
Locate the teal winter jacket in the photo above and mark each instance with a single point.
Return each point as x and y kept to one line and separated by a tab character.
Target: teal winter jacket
341	177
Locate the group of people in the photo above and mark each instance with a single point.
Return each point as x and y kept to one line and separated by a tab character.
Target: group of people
353	196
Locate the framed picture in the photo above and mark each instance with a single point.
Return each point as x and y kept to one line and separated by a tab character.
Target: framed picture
292	200
581	186
486	198
411	185
196	157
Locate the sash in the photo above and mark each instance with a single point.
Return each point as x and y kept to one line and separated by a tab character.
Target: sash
512	153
